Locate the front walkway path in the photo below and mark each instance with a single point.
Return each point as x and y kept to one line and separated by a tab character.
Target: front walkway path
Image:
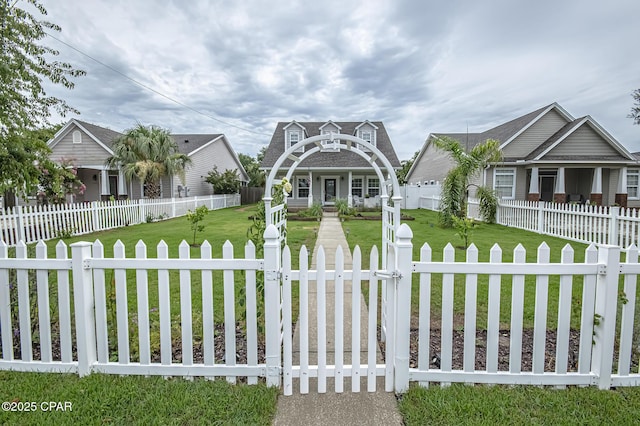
347	408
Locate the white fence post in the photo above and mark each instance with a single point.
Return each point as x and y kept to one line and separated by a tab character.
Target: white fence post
614	213
272	304
605	314
541	206
20	225
94	215
404	256
84	307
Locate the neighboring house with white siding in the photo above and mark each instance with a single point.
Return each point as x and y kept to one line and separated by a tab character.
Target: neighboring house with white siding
89	146
329	174
548	155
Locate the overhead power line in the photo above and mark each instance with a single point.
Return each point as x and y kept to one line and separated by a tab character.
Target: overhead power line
151	89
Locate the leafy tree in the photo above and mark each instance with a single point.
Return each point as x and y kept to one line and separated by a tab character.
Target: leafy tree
401	174
251	165
224	183
457	182
148	153
24	105
57	181
635	110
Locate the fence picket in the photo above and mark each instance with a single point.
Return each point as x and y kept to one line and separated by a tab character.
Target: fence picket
588	306
208	325
229	311
185	307
517	313
44	315
303	320
164	306
355	319
287	329
24	306
493	316
102	334
372	340
627	316
339	321
64	306
322	320
122	308
6	329
564	314
446	325
470	312
540	318
424	315
251	312
142	283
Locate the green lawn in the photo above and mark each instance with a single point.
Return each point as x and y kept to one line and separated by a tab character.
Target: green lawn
519	405
103	399
366	233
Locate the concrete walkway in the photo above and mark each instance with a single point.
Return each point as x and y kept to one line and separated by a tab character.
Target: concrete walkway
347	408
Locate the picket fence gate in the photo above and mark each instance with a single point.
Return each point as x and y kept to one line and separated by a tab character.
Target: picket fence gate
87	322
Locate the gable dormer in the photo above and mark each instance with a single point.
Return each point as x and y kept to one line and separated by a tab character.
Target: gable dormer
294	132
367	131
330	128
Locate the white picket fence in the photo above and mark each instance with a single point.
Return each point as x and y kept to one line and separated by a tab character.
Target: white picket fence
593	341
576	222
34	223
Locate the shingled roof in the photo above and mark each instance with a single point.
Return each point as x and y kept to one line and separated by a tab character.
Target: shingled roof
104	135
342	159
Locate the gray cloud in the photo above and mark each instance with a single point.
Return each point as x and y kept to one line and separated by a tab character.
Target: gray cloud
419	66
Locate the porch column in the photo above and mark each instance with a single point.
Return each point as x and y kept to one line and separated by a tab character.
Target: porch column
596	187
534	190
349	195
104	183
621	193
310	197
122	184
559	194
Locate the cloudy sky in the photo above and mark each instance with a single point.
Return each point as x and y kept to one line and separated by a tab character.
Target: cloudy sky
239	67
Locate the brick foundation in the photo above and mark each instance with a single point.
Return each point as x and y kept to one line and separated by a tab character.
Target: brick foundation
559	198
621	200
533	197
595	199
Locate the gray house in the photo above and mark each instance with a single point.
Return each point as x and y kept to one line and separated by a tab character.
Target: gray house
548	155
328	174
88	146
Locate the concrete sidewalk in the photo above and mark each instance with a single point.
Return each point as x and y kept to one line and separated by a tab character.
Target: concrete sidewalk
347	408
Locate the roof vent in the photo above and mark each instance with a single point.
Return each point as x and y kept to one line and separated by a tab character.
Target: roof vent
186	141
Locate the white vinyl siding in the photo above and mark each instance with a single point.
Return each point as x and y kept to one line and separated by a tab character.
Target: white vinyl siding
87	153
504	183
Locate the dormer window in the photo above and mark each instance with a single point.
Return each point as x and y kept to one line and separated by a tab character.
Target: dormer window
77	136
367	132
294	133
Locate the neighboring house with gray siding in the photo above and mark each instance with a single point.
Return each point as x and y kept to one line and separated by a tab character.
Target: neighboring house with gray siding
548	155
329	175
89	146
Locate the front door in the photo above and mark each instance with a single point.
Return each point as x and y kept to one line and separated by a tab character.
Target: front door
329	191
547	186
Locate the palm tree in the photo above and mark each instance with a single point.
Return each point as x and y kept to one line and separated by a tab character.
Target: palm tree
148	153
457	182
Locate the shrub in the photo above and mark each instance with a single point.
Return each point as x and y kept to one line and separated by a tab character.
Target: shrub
195	218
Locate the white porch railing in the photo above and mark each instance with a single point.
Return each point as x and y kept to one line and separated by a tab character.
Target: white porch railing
34	223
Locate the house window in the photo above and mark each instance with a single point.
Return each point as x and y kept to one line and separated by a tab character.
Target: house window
303	187
373	187
294	137
633	181
329	132
504	183
367	135
77	136
356	187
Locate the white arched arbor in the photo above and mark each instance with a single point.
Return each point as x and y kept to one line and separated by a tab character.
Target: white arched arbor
337	142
